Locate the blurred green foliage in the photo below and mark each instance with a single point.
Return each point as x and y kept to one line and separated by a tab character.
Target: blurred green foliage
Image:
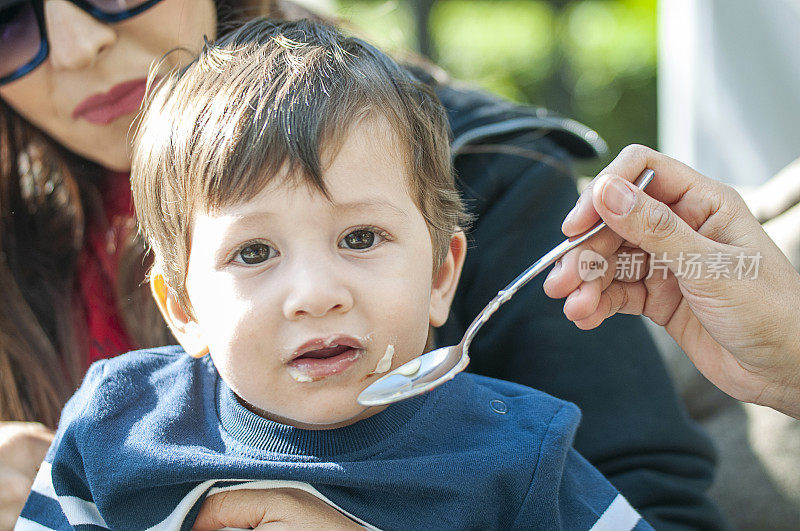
592	60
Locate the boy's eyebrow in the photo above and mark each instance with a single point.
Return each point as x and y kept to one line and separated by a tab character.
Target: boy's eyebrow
371	203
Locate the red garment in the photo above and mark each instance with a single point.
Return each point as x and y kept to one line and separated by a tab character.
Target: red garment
97	270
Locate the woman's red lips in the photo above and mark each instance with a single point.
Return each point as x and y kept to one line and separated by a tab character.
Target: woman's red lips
102	109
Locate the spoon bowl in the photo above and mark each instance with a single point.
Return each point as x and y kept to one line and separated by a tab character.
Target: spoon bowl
436	367
418	376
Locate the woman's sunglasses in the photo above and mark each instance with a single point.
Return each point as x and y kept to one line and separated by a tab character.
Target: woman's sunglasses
23	36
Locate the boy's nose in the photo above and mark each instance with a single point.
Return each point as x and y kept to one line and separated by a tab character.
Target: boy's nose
314	291
76	38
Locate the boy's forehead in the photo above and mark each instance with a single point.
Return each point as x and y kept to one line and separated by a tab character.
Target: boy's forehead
371	197
370	149
363	167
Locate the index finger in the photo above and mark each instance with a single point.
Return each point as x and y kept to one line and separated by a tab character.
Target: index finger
673	180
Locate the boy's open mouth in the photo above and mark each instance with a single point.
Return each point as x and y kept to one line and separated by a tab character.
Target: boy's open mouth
328	352
320	358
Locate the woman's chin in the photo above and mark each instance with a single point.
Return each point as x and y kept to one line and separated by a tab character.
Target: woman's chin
114	156
120	163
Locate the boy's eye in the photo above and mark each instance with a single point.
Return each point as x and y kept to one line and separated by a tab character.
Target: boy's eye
255	253
360	239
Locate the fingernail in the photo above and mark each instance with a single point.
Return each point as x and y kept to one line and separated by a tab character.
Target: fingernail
554	272
617	197
572	212
571	297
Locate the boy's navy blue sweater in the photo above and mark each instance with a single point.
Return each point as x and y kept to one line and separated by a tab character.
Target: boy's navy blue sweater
150	434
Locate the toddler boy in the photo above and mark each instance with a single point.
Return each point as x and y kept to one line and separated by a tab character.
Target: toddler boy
296	189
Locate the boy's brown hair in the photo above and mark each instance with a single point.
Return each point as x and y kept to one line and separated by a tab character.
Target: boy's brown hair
264	101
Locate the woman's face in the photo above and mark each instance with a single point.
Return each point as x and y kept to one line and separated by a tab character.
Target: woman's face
87	92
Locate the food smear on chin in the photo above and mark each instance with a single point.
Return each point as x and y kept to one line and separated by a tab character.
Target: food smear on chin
385	363
299	376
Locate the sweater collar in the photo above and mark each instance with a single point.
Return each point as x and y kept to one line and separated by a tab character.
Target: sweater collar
253	430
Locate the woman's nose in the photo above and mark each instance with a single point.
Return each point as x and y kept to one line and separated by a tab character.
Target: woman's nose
76	38
315	291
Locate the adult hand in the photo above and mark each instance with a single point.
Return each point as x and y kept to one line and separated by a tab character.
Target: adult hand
23	446
741	333
284	508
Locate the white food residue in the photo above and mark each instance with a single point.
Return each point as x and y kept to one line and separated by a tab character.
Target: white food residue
385	363
410	368
299	376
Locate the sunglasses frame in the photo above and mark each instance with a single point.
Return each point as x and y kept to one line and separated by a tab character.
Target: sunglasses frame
44	43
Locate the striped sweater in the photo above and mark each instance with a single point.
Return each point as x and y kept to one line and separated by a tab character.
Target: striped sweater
149	435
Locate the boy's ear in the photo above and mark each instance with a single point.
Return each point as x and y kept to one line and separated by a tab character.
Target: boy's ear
185	329
445	280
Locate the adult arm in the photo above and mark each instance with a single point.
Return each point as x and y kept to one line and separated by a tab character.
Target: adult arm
776	205
776	196
23	446
634	429
741	333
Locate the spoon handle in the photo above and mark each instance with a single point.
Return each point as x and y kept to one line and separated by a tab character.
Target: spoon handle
540	265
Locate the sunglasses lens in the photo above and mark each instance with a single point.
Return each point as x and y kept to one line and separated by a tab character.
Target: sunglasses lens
20	37
114	7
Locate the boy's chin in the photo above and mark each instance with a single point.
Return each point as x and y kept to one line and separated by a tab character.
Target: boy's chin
335	415
326	421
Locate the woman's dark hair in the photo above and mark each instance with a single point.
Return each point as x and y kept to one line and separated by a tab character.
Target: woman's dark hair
47	196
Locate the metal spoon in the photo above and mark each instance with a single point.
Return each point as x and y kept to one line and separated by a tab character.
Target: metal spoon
436	367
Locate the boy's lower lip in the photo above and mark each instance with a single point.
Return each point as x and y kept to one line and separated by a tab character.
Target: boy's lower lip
313	369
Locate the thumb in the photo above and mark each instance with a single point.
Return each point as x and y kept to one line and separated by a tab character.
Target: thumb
643	221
